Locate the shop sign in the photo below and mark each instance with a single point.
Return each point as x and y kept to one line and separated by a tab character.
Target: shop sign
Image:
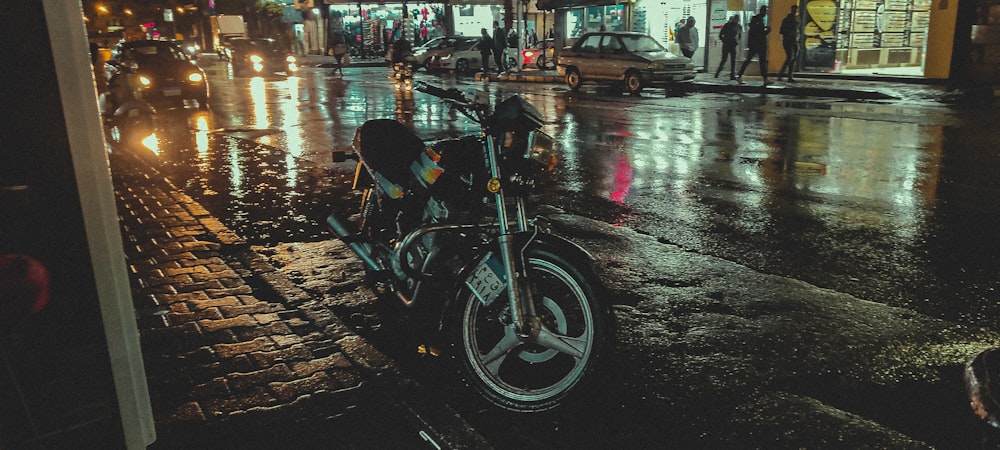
820	33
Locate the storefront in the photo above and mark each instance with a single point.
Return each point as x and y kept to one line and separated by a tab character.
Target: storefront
374	26
379	24
595	18
876	37
471	17
888	36
872	37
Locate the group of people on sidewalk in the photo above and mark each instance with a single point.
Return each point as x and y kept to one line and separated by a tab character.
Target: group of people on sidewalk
500	41
757	32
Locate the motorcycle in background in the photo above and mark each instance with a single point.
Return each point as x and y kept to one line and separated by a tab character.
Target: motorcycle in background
444	227
402	74
403	64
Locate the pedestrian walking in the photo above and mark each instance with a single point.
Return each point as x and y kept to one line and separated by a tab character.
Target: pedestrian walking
687	38
499	46
485	48
339	50
790	42
757	33
730	36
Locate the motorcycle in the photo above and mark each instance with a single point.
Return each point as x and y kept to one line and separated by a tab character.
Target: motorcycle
402	73
444	228
982	386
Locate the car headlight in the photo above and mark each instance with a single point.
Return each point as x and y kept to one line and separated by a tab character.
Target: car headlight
290	59
541	149
145	81
195	77
445	57
256	59
656	65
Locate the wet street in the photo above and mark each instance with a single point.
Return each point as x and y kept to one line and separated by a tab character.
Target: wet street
865	228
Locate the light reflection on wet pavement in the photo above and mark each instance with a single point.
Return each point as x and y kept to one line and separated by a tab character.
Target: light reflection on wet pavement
882	201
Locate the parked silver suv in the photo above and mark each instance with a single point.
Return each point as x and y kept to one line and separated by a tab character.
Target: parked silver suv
634	59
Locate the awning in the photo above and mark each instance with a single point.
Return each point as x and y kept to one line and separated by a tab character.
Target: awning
562	4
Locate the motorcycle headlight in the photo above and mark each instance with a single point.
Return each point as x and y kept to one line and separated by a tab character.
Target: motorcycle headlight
290	59
541	149
145	81
195	77
256	59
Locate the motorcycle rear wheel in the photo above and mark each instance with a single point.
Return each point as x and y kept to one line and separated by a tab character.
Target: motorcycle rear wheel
526	377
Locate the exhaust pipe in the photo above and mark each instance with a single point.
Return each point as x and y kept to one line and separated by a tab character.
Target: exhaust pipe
344	231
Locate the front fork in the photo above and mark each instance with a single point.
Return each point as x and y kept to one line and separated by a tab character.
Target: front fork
519	292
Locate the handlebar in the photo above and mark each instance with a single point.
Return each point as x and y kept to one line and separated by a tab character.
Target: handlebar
445	94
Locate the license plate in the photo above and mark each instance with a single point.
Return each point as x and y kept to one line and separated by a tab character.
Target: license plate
486	284
172	91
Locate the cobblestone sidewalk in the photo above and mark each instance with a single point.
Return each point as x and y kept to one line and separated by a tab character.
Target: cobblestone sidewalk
229	362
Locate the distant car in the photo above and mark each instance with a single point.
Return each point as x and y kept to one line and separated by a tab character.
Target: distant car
259	57
540	55
465	56
634	59
163	73
436	47
191	47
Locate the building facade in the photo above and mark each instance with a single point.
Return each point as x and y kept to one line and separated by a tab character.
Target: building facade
954	41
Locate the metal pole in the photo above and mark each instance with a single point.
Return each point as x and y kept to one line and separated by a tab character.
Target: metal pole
520	36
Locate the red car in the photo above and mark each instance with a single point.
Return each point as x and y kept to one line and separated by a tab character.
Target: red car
541	55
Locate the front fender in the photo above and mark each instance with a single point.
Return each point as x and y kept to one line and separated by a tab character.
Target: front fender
490	255
546	241
526	240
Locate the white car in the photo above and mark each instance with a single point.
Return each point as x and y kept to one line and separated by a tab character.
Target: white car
436	47
465	57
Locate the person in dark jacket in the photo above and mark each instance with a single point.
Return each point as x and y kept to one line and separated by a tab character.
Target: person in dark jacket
485	48
687	38
401	49
757	33
790	42
499	46
730	37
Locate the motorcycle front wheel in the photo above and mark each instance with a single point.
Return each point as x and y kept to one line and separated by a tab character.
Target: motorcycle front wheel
527	374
